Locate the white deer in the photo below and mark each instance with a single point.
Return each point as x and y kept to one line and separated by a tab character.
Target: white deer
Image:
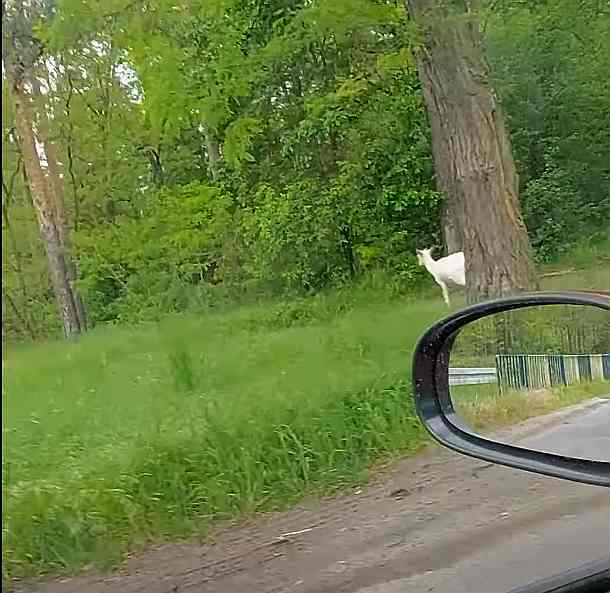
443	270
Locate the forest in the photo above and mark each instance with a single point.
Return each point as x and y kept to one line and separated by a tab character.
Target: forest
230	194
210	153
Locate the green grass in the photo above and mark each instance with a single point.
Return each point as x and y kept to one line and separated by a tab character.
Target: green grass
134	435
592	254
591	262
484	409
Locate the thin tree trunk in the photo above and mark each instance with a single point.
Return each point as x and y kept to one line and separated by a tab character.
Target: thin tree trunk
472	152
24	322
70	153
15	256
154	158
63	228
50	150
212	146
56	186
347	245
45	213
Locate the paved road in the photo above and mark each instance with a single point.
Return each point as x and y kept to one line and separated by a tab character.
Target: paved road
439	522
571	535
585	435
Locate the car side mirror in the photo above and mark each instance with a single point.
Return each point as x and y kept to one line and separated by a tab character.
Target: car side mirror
522	352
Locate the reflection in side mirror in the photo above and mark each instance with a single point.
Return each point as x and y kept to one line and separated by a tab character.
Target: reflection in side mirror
549	363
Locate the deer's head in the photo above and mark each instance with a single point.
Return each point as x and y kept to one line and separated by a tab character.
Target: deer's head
424	255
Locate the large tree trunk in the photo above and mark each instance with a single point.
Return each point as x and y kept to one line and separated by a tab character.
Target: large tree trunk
45	213
472	153
452	234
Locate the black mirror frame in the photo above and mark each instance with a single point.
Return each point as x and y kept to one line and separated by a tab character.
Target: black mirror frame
433	401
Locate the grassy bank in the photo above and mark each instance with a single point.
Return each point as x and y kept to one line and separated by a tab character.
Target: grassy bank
484	409
133	435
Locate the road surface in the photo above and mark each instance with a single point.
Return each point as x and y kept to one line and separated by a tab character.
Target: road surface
439	523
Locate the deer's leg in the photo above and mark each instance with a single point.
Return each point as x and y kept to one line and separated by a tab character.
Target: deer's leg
445	293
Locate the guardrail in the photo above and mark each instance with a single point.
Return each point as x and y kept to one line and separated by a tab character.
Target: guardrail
472	376
535	371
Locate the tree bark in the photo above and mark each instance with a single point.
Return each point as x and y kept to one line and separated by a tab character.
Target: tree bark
454	241
63	228
56	187
45	211
472	152
50	151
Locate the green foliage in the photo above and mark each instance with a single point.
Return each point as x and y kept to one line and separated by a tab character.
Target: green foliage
213	150
140	268
362	152
323	188
239	139
539	330
552	230
293	237
550	63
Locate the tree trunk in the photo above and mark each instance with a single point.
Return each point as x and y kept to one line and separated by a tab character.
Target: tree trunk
22	319
156	166
212	146
472	153
454	241
56	187
14	257
50	150
347	246
45	213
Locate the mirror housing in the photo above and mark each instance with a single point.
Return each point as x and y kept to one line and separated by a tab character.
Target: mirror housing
435	408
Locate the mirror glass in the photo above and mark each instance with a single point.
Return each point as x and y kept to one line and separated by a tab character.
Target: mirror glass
537	377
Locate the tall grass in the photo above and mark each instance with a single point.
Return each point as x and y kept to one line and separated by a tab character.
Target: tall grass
131	435
484	408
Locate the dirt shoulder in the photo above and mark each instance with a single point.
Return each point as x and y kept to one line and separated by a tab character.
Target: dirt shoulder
419	515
